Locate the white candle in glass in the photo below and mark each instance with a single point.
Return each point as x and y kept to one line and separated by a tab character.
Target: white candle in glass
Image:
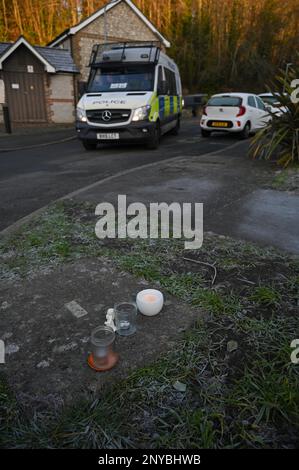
150	302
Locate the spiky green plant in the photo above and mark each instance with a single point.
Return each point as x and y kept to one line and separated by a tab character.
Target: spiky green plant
279	140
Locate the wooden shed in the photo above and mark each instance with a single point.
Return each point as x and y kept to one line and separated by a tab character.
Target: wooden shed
39	83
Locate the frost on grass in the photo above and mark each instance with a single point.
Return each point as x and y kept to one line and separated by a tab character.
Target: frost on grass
39	247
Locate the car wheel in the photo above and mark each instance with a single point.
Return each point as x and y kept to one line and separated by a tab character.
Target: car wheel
176	129
89	145
205	133
154	143
245	133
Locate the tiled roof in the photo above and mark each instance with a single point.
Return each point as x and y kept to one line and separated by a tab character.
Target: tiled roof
60	59
4	46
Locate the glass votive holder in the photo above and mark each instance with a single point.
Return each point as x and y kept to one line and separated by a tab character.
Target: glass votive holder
125	318
103	356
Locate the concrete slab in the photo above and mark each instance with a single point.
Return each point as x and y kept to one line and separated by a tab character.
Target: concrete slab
47	345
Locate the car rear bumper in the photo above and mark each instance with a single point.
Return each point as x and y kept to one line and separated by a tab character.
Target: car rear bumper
133	132
236	125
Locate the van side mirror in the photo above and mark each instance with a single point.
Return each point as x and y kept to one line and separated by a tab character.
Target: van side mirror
163	88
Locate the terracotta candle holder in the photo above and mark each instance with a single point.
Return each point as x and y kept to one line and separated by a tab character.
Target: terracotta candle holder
103	356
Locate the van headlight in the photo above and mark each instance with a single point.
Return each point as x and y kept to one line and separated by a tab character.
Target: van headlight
141	114
81	115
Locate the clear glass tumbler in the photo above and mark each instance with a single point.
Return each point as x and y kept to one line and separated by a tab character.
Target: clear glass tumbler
102	340
125	318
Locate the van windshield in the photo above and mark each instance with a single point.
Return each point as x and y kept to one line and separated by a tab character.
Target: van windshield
225	101
122	78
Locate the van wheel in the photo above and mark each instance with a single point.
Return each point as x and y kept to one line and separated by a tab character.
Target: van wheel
154	143
205	133
89	145
245	133
176	129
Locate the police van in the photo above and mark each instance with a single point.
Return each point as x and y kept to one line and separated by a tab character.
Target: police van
134	94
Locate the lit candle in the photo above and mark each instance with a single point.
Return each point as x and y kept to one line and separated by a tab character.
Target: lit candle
150	298
150	302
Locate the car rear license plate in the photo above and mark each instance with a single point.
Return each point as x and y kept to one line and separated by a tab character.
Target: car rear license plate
108	136
219	124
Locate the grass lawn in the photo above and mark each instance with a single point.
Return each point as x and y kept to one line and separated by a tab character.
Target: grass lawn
229	381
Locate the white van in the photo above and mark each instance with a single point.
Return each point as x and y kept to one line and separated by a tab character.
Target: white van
134	94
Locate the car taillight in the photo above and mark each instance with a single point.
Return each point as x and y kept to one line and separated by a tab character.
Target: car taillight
242	111
204	111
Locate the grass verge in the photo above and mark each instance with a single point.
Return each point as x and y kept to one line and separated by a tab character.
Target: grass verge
287	180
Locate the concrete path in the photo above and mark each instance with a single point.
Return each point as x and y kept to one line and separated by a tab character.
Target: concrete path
230	185
27	138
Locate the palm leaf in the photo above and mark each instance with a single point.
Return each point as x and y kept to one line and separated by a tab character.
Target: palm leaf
280	138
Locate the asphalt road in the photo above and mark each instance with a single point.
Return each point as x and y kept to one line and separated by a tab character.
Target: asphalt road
32	178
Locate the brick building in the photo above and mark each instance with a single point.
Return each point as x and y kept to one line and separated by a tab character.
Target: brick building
118	21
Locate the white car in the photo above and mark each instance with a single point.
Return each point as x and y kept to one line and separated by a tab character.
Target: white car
242	113
270	99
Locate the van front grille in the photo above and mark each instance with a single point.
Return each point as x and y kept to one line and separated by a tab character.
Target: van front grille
108	116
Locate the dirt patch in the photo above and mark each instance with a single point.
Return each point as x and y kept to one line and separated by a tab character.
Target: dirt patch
49	347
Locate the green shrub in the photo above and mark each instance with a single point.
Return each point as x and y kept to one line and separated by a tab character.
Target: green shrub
280	139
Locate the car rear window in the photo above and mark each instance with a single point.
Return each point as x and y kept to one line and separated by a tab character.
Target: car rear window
225	101
269	99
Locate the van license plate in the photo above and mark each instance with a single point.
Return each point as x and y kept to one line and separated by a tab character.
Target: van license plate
111	136
219	124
